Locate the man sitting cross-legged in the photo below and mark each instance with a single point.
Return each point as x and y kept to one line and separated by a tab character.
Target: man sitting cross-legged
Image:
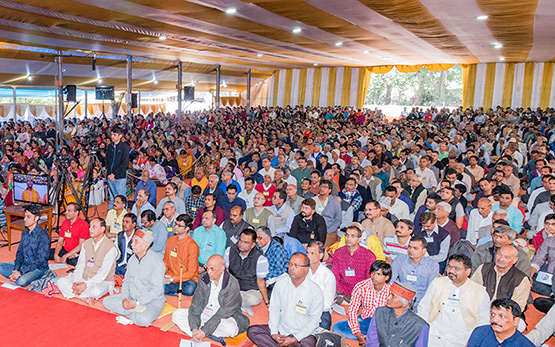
94	274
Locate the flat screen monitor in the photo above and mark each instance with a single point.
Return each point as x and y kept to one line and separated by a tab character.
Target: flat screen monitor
104	93
30	189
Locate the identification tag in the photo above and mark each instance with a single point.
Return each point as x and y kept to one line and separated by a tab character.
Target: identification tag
67	234
208	310
209	247
411	278
350	272
300	309
148	231
173	253
90	263
545	278
429	239
170	230
234	239
255	220
452	302
312	236
278	218
194	209
266	193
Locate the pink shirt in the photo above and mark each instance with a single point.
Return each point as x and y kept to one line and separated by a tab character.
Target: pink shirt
351	269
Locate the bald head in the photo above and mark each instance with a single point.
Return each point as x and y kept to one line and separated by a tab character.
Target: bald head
484	207
506	257
215	266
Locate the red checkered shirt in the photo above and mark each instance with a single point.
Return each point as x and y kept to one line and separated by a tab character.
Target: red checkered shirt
364	295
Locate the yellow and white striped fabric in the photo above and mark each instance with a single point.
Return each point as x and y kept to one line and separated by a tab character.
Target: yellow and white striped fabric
327	86
509	85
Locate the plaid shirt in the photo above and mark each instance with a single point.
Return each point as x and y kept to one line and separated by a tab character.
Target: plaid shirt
365	295
354	198
192	206
278	259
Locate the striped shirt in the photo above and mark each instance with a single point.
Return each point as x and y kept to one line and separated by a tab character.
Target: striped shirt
2	215
364	295
392	248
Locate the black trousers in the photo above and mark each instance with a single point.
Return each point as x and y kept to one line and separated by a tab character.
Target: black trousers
72	262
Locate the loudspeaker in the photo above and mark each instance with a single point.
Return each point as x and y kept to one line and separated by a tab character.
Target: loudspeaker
71	93
134	100
189	93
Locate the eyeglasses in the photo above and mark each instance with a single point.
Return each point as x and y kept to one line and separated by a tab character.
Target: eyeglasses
294	265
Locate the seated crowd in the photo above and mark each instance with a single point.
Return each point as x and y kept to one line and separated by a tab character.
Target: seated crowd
434	229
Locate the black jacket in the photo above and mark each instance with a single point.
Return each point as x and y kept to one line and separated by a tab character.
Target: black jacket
117	160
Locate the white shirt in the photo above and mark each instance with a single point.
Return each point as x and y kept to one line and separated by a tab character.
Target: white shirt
265	172
400	209
428	177
449	328
104	270
249	198
325	279
295	310
475	223
213	304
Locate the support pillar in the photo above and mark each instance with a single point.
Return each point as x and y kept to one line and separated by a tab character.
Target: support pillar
179	89
86	104
129	86
139	101
248	91
217	106
60	85
14	104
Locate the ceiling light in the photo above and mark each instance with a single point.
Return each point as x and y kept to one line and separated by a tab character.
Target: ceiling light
162	37
315	64
155	82
502	58
259	55
366	52
99	80
297	30
482	17
497	45
29	78
339	43
231	10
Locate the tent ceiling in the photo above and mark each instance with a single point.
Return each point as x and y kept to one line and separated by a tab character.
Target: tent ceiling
259	35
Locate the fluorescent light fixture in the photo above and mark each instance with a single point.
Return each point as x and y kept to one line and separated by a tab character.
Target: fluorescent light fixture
259	55
339	43
155	81
498	45
99	80
315	64
29	78
162	37
231	10
366	52
297	30
502	58
482	17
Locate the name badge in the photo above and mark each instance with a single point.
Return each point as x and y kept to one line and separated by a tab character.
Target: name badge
170	229
148	231
278	218
411	278
255	220
350	272
90	263
173	253
209	247
266	193
544	277
194	209
67	234
234	239
300	309
312	236
429	239
208	310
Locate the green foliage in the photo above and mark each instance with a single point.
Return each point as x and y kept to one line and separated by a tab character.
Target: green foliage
422	88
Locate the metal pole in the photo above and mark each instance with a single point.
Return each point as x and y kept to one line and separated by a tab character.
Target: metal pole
179	88
86	104
217	106
248	90
14	105
139	101
60	86
129	85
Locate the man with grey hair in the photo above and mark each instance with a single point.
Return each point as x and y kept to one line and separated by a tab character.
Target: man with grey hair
212	188
142	204
479	223
168	216
287	176
442	212
498	215
141	298
277	256
502	235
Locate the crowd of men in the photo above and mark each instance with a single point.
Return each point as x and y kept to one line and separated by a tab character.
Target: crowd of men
433	229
